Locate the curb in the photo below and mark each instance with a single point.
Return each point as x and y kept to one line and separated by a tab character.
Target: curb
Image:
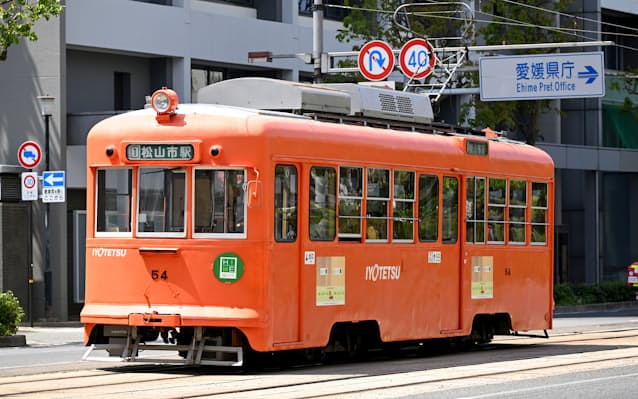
12	341
596	307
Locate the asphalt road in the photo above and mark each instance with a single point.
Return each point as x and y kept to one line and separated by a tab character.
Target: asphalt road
602	365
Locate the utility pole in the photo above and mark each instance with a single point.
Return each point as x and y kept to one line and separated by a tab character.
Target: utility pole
317	38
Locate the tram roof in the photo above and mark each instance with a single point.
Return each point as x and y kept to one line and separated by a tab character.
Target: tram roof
345	99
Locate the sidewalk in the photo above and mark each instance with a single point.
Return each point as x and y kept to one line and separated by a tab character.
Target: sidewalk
52	335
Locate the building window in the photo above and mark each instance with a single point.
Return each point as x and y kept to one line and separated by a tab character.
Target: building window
202	77
285	203
121	91
322	215
333	13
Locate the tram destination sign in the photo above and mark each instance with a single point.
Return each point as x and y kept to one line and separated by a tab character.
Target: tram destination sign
159	152
542	76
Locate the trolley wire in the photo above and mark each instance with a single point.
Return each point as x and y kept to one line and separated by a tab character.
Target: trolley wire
502	20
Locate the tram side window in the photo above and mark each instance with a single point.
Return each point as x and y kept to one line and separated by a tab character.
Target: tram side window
403	206
450	209
220	205
323	195
378	196
113	203
350	197
517	206
428	208
162	192
475	210
539	213
285	203
496	211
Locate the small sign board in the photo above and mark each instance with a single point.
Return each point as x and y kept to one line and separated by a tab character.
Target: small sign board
542	76
29	186
53	186
160	152
29	154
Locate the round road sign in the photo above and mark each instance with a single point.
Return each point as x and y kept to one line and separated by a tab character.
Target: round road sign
417	59
376	60
29	154
29	180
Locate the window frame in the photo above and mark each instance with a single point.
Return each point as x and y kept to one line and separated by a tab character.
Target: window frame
377	199
519	207
331	201
474	210
219	235
411	201
436	201
500	206
131	210
544	208
160	234
348	197
294	183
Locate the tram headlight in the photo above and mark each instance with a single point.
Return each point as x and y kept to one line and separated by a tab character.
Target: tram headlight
164	101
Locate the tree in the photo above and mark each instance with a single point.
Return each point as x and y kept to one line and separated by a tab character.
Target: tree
17	18
511	23
520	117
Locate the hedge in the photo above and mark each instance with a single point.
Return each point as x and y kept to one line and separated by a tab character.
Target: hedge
583	294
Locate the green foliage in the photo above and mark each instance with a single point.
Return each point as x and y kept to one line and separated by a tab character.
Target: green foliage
11	313
17	18
520	117
583	294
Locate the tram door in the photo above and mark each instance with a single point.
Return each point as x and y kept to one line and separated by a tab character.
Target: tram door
284	256
451	251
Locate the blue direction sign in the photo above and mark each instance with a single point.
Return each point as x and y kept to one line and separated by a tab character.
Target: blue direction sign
53	186
542	76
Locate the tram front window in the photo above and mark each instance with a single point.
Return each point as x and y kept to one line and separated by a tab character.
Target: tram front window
220	205
113	210
160	210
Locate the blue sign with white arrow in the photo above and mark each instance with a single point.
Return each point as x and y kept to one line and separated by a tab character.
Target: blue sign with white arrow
53	186
53	178
542	76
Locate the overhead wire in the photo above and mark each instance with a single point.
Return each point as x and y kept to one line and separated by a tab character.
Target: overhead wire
514	22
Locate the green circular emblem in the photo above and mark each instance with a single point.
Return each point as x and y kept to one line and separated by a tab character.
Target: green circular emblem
228	267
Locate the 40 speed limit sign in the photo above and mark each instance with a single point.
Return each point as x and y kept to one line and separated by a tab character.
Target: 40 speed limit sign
417	59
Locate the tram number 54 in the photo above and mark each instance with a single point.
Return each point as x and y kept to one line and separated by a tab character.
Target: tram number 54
157	274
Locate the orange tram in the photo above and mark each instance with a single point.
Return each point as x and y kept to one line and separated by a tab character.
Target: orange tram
275	216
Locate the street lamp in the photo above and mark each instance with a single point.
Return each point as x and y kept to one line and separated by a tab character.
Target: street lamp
46	110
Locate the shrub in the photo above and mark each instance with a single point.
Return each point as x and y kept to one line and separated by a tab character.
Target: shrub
583	294
11	313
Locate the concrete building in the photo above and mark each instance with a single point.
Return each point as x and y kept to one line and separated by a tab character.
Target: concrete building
103	57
